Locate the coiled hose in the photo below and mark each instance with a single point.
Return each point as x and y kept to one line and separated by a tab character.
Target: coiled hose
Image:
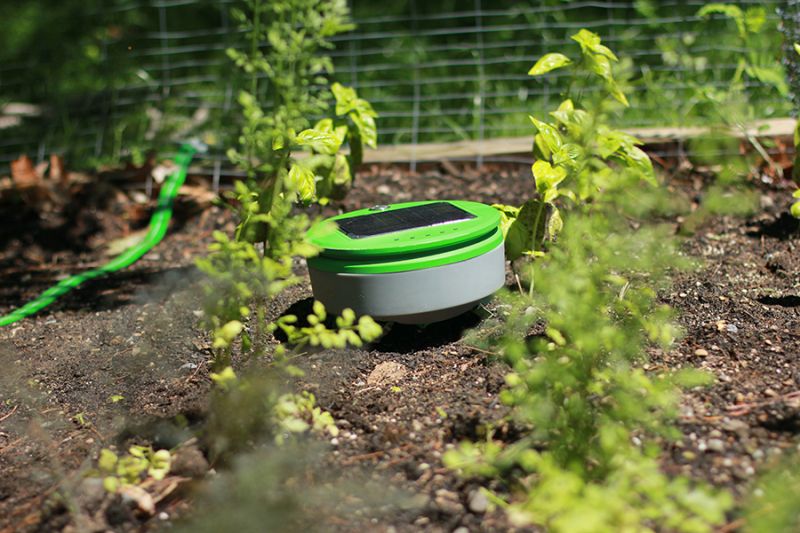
159	223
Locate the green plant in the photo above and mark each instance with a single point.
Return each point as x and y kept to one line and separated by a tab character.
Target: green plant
243	401
592	419
294	32
140	463
579	156
348	330
286	40
298	413
729	104
750	28
239	275
773	504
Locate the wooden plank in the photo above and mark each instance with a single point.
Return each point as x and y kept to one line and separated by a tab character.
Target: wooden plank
523	145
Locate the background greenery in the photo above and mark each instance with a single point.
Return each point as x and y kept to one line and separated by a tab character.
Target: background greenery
116	78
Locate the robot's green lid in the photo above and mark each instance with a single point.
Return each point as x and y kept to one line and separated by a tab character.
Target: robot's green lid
406	236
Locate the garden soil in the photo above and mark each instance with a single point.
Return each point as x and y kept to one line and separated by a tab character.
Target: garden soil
120	359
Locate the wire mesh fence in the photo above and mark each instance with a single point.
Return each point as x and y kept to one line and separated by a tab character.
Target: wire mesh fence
154	71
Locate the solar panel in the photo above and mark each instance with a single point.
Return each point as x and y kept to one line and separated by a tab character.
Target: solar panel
420	216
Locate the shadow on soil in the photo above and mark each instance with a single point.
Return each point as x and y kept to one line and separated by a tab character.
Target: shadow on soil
783	301
784	227
101	294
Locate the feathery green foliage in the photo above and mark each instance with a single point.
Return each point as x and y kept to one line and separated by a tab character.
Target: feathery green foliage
774	503
593	420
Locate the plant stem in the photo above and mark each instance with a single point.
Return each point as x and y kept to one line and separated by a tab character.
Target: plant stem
536	220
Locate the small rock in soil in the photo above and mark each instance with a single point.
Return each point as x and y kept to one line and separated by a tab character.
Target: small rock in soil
449	507
478	502
386	373
189	461
734	425
91	494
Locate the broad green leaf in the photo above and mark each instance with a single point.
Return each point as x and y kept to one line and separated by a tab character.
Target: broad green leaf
617	93
554	223
772	75
341	171
796	194
564	112
324	142
507	215
605	51
301	181
549	62
540	149
329	126
608	143
365	108
641	160
527	230
345	98
587	40
797	48
550	135
547	176
367	130
601	66
567	154
518	240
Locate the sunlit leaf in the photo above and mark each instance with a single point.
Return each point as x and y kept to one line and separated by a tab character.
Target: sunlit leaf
549	62
550	135
301	181
324	142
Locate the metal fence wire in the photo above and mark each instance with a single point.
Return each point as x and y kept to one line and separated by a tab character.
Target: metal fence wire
434	70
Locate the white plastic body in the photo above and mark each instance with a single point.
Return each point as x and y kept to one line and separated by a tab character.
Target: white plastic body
416	296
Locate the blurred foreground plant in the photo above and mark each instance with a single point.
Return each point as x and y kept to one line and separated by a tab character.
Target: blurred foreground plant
774	503
139	463
592	419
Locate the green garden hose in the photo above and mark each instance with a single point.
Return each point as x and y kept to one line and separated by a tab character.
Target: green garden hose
159	223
